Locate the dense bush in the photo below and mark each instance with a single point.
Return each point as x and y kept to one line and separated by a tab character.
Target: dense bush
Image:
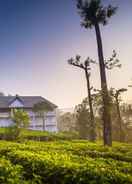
64	162
9	173
8	134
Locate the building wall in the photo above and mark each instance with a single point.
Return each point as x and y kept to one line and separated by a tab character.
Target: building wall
36	122
49	119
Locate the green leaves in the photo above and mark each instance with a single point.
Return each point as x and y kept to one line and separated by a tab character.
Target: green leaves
43	107
20	118
9	173
65	162
93	12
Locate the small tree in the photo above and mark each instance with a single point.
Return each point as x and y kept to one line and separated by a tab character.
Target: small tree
42	108
85	66
20	120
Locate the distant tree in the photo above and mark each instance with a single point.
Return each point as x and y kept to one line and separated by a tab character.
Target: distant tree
120	113
126	113
93	14
83	119
41	109
67	122
98	101
117	123
98	110
116	95
85	66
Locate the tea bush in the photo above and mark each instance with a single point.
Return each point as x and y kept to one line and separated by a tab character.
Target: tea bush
7	134
9	173
66	162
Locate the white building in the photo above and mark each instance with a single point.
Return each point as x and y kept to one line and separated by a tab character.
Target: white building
37	122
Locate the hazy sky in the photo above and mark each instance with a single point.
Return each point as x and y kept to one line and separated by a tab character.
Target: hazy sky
38	36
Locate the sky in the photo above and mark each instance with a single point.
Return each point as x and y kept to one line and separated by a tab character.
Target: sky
37	37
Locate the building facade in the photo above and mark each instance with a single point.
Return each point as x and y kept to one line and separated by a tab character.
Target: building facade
47	122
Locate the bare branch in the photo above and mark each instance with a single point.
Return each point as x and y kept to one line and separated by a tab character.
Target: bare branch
84	65
75	63
117	93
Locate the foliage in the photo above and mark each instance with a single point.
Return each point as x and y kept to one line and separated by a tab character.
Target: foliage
83	119
20	120
93	12
10	173
77	162
125	112
40	135
117	99
66	122
112	62
42	107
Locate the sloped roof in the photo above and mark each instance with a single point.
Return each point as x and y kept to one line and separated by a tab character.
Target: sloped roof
28	101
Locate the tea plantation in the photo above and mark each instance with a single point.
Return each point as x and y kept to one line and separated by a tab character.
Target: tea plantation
65	162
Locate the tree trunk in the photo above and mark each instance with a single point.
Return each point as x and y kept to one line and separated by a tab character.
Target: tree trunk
105	95
92	126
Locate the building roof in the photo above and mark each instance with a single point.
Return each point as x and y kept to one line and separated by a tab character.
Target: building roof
27	101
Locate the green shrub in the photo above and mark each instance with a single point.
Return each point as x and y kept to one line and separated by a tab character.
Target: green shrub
14	132
9	174
66	162
20	120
